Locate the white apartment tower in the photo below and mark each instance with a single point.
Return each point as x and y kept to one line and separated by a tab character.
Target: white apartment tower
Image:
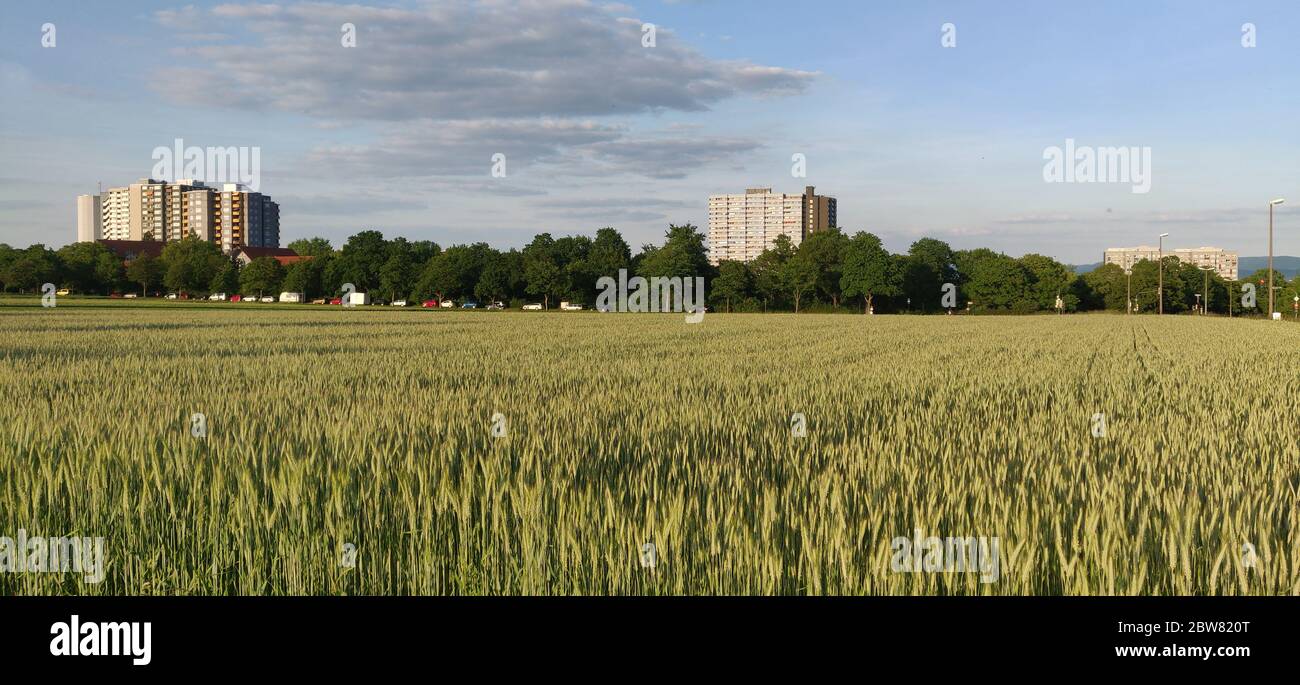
742	226
89	218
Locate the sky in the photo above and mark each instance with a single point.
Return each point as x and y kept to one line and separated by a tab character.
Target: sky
921	118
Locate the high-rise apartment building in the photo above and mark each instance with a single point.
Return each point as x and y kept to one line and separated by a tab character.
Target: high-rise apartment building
148	209
1224	262
742	226
115	214
89	218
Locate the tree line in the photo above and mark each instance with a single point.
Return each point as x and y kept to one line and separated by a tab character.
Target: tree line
829	270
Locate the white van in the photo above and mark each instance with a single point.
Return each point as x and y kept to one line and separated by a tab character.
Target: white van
291	297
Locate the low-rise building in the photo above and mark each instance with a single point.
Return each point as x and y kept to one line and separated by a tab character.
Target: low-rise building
1224	262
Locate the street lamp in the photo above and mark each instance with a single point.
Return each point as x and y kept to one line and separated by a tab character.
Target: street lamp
1160	289
1207	270
1128	289
1271	205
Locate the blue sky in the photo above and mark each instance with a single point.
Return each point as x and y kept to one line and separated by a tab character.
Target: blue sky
912	138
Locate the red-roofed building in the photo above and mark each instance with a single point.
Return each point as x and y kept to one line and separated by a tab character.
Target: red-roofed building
281	254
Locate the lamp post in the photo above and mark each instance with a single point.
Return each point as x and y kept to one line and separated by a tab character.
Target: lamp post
1160	289
1271	205
1128	289
1207	270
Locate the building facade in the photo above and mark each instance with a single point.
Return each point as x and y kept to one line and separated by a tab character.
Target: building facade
89	218
1224	262
230	216
742	226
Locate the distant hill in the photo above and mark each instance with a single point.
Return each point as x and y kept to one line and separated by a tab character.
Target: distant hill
1287	266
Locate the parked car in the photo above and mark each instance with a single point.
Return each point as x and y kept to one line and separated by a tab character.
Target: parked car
234	298
169	296
337	300
63	292
469	304
292	297
130	296
429	304
399	303
532	307
496	305
249	298
358	298
447	304
268	298
219	297
319	300
570	307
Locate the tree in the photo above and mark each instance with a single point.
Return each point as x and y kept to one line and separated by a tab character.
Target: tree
769	270
501	276
826	251
682	255
307	277
191	264
608	253
396	274
262	275
145	270
226	280
1000	282
1107	287
31	268
732	282
311	247
108	272
868	270
578	277
929	265
542	273
1049	278
359	261
81	267
799	275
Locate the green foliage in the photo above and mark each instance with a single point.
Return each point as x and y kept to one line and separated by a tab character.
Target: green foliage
145	271
732	283
191	264
869	270
262	276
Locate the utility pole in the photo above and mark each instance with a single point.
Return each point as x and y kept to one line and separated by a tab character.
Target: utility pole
1271	205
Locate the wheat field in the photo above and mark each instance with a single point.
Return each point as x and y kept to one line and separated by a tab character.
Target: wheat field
354	452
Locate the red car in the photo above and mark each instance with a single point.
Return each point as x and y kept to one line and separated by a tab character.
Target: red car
337	300
234	298
430	304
